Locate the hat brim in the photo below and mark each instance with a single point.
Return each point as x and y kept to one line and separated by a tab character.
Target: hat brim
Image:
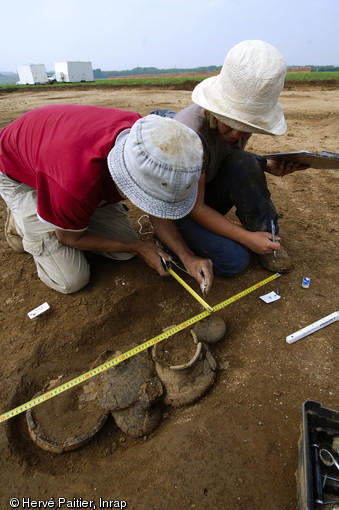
206	94
147	203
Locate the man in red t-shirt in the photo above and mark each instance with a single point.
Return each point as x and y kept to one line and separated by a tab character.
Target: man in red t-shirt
64	172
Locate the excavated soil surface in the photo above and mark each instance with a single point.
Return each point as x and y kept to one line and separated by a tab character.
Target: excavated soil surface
237	447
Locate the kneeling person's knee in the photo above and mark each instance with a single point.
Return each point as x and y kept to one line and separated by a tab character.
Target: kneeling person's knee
231	263
60	267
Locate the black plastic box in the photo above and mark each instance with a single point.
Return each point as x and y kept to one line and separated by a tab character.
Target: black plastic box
318	483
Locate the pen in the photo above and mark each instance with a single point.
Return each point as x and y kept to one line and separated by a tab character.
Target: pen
273	235
274	252
204	285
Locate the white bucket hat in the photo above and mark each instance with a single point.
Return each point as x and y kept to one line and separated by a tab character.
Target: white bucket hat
245	95
157	164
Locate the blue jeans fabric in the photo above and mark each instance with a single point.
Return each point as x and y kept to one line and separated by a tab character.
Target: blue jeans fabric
163	113
240	182
228	257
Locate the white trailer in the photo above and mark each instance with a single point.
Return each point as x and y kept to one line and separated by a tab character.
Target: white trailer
73	71
32	74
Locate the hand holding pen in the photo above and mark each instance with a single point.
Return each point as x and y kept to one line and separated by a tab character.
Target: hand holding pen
274	251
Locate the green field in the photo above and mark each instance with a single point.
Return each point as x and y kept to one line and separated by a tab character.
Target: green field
312	76
168	81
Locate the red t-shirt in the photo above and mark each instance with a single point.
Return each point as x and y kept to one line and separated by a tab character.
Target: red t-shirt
61	151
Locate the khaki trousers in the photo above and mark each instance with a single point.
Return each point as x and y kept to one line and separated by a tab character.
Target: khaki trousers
61	267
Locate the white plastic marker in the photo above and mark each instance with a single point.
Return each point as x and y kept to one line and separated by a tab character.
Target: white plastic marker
39	310
270	297
326	321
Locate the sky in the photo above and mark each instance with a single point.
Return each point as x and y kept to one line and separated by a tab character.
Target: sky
124	34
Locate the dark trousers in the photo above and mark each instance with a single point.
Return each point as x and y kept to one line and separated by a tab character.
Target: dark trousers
240	183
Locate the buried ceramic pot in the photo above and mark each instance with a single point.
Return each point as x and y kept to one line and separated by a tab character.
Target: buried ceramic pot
210	330
130	391
65	423
187	382
144	415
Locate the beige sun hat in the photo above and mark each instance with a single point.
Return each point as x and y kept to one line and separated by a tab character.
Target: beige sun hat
245	95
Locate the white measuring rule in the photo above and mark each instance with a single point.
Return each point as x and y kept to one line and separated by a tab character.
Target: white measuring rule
308	330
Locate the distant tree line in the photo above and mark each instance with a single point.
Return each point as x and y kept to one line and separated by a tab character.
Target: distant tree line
99	74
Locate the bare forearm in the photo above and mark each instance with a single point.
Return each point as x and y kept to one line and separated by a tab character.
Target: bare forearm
89	240
169	234
200	268
281	168
217	223
259	242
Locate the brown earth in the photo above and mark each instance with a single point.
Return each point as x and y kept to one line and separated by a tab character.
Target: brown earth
237	447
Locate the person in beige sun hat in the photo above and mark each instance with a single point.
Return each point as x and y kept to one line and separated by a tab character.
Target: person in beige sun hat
246	92
227	109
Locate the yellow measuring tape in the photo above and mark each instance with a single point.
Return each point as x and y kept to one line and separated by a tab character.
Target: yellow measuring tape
115	361
190	290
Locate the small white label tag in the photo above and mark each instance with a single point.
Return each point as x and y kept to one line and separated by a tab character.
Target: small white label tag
270	297
39	310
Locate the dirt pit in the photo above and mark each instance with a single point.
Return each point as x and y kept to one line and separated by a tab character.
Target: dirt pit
236	447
